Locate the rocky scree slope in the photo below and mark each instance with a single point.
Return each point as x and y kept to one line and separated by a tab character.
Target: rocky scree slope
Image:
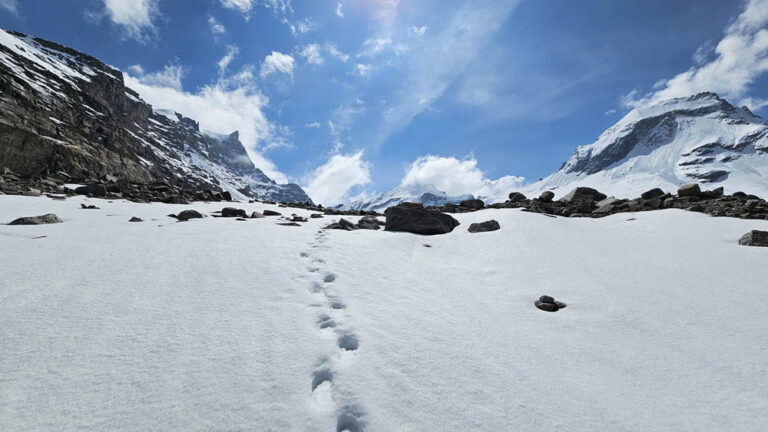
65	112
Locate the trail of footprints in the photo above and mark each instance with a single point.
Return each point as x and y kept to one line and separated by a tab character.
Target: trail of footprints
332	323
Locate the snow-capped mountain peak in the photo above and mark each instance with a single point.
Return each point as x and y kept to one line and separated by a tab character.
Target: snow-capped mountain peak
426	194
701	138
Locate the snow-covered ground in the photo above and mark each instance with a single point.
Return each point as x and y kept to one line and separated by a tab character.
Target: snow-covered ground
218	324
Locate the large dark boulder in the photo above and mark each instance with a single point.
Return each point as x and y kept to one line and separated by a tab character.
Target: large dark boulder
342	224
270	213
516	197
189	214
233	212
474	204
754	238
97	190
547	196
653	193
486	226
418	221
581	194
689	190
49	218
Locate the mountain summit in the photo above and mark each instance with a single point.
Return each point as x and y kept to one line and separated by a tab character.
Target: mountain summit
64	111
701	138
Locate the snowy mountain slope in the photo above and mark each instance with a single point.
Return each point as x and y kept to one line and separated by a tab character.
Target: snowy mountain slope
701	139
61	110
426	194
664	329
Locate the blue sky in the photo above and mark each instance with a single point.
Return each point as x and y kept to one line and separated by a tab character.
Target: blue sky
351	97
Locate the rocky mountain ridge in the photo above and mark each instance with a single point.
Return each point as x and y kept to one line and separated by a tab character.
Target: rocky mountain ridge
62	111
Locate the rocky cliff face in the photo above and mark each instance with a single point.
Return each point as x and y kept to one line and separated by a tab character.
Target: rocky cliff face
64	111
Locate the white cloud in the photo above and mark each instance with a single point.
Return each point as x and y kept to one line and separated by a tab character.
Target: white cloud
245	6
230	104
11	6
313	125
340	9
419	31
332	182
362	69
729	69
305	25
232	52
334	52
135	17
374	47
277	63
313	53
169	76
217	28
457	177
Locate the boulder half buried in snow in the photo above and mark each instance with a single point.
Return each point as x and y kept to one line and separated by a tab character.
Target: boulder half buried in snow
754	238
418	220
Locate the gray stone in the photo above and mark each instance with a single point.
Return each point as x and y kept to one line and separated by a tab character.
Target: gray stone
689	190
49	218
257	215
474	204
755	238
97	190
189	214
547	307
516	197
369	222
581	194
342	224
271	213
653	193
136	219
547	196
490	225
232	212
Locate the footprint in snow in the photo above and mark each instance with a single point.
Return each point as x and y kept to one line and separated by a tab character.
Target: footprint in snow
349	419
348	342
329	278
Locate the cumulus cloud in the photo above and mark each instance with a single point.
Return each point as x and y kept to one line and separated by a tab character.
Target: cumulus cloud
332	182
300	27
136	18
277	63
230	104
11	6
457	177
217	28
729	69
362	69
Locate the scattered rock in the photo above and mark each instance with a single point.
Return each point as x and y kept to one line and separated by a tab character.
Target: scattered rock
97	190
369	223
316	216
418	220
582	194
49	218
241	219
189	214
516	197
229	212
271	213
490	225
342	224
689	190
288	224
549	304
256	215
474	204
547	196
295	218
88	207
653	193
754	238
136	219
